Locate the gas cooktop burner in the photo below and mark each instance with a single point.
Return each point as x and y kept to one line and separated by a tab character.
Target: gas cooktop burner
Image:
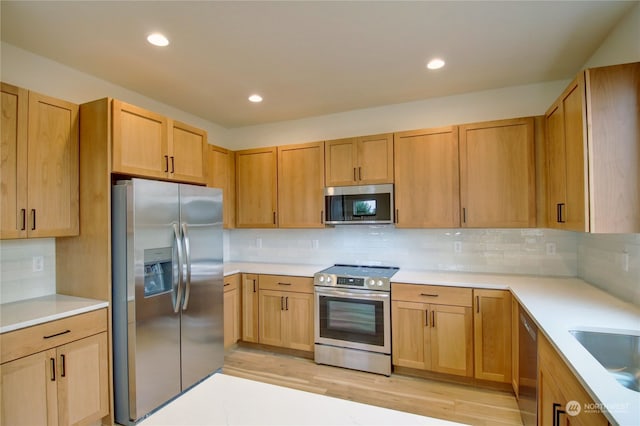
356	276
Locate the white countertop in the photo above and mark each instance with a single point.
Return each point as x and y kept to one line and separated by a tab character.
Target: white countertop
557	305
25	313
228	400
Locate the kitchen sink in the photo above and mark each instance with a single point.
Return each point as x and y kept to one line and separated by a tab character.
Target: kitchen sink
618	353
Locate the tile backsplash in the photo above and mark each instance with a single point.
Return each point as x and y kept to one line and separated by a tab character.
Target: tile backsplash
516	251
18	279
611	262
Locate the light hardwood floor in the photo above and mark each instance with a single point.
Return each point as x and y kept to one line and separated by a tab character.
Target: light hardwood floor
454	402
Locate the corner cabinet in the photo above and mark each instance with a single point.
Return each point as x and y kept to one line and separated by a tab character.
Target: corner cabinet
592	147
256	188
221	173
249	288
60	368
148	144
286	312
39	167
362	160
301	186
557	386
427	184
497	174
492	335
432	328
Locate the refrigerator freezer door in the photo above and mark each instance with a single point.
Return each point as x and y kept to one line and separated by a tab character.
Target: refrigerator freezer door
202	310
154	360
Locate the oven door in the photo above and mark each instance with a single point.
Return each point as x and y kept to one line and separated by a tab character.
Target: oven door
357	319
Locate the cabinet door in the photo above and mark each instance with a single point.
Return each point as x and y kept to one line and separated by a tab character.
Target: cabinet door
301	186
231	310
250	307
451	340
427	190
221	173
497	174
492	335
187	148
52	167
556	167
271	325
256	177
341	162
299	321
411	335
13	162
83	383
140	142
375	159
29	390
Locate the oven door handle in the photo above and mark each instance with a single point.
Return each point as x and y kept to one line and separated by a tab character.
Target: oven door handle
355	295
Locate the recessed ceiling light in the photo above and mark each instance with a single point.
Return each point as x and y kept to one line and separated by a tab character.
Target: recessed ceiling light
435	64
158	39
255	98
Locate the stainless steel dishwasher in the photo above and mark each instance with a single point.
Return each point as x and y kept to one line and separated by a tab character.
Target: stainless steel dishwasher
527	368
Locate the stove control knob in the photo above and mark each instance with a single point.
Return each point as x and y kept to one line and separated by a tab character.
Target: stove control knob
321	278
328	280
380	283
371	283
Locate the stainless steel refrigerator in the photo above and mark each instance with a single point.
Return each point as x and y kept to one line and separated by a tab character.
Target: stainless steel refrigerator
167	292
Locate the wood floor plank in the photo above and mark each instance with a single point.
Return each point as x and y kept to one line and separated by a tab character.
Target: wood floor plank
449	401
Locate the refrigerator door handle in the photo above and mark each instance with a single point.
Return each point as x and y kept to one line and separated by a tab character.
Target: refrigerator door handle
187	252
178	243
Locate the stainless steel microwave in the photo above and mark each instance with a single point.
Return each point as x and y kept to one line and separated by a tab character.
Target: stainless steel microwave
365	204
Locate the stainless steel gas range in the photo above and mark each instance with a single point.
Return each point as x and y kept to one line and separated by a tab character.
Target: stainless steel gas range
353	317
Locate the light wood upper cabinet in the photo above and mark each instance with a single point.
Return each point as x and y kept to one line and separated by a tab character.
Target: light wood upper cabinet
497	174
358	161
187	148
148	144
492	335
256	188
40	166
427	178
593	147
432	328
221	173
301	185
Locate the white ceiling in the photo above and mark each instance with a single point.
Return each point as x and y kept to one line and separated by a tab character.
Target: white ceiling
309	58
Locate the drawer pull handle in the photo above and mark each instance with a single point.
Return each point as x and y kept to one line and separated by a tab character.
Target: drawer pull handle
53	369
284	283
429	295
57	334
226	284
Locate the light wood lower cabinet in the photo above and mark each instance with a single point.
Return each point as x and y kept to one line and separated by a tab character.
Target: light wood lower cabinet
249	287
232	308
286	312
561	398
66	384
432	328
492	335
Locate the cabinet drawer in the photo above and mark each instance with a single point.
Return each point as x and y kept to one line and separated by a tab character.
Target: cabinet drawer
435	294
30	340
231	282
286	283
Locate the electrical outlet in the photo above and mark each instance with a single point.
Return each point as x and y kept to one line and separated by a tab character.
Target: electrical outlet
457	246
315	244
625	262
551	249
37	263
259	242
